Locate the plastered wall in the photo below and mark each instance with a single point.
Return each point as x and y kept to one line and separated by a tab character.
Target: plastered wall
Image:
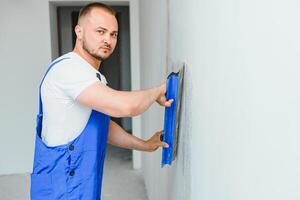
168	182
241	102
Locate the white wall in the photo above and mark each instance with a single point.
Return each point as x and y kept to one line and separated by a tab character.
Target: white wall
25	51
169	182
241	102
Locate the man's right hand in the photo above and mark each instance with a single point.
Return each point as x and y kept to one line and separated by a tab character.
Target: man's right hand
162	100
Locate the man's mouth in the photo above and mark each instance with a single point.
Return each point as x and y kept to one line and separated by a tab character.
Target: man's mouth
106	48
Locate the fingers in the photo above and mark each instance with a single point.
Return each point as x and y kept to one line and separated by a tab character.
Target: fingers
162	100
155	142
165	145
165	102
168	103
161	143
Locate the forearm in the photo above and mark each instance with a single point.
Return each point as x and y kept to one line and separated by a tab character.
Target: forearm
139	101
119	137
119	103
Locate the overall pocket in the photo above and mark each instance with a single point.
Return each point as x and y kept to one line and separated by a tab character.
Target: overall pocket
41	187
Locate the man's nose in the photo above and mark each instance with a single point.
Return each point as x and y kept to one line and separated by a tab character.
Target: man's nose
107	39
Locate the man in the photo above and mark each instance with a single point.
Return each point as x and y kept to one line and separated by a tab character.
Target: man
73	124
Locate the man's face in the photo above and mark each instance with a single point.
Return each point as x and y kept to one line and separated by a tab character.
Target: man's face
99	33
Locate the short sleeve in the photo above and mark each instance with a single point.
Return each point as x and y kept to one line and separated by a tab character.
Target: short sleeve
72	78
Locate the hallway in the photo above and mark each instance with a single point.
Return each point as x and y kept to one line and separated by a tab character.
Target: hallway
120	181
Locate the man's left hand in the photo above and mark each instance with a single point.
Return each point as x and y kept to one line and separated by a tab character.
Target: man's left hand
154	142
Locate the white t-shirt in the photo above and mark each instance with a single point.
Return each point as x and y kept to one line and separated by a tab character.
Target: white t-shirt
63	117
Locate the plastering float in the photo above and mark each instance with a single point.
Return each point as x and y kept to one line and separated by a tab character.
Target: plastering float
172	116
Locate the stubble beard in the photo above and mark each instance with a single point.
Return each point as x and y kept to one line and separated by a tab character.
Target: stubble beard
93	54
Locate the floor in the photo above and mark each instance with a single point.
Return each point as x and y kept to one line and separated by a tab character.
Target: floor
120	181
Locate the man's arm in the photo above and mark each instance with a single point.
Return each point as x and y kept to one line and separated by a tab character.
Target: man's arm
119	137
121	103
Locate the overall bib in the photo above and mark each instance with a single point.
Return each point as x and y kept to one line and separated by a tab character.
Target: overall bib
72	171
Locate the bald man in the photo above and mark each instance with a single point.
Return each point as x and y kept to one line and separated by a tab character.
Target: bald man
73	123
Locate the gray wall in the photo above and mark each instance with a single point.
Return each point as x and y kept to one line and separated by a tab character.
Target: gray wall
153	71
25	52
169	182
241	102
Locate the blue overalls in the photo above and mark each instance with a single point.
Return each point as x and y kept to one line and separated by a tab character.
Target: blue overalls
72	171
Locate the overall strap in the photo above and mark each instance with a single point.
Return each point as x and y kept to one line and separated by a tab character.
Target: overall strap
40	98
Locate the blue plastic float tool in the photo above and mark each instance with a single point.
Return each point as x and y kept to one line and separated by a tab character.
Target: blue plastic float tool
172	116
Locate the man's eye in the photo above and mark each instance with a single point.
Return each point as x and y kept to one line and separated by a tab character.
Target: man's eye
114	35
100	31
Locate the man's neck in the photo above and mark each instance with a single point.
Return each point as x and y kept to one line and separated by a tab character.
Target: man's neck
87	57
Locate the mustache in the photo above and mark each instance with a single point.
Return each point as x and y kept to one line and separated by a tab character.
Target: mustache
108	47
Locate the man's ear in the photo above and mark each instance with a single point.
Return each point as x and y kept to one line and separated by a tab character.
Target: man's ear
78	31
